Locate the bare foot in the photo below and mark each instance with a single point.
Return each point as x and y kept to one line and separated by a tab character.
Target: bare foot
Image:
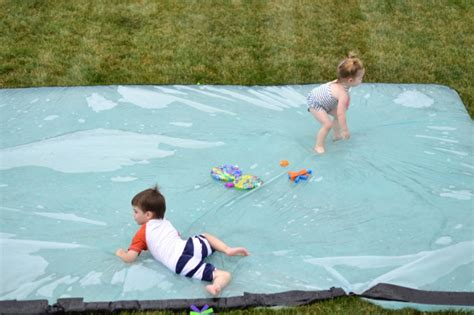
336	138
234	251
319	150
213	289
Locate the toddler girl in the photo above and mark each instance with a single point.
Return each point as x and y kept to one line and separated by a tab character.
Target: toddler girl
332	99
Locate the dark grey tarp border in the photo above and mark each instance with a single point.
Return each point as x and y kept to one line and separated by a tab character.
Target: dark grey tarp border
288	298
391	292
382	291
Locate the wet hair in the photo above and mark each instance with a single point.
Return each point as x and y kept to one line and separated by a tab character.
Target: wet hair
151	200
349	67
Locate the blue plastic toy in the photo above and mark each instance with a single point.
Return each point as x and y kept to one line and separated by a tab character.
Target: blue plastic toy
297	176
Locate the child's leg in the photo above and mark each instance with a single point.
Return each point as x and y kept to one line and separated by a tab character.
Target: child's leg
220	246
336	129
326	125
220	281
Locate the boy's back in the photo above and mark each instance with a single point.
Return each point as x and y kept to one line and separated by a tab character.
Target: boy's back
162	240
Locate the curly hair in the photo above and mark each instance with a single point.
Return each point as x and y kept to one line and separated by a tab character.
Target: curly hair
349	67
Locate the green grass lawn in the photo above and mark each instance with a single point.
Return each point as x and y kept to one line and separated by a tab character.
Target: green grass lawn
70	43
67	43
343	306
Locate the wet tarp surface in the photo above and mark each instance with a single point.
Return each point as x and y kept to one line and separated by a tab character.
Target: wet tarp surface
391	205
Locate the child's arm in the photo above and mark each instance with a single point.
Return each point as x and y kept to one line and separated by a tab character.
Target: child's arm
127	256
138	244
342	105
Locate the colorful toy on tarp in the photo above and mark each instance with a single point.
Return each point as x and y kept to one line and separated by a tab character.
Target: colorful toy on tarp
226	173
300	175
232	175
246	182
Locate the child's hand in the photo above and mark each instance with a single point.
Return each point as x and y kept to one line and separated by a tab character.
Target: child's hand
345	134
120	252
127	256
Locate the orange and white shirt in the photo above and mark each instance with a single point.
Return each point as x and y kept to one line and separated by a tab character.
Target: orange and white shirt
162	240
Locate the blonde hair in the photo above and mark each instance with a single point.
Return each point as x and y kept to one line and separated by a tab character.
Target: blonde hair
349	67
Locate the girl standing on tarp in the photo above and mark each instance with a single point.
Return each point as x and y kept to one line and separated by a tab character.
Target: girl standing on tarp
332	100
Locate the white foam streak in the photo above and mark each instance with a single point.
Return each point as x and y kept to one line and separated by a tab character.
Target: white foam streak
437	138
414	99
169	91
48	289
268	99
140	278
457	194
24	288
10	209
119	276
293	98
153	99
17	285
145	98
344	282
430	267
415	270
442	128
123	179
247	99
452	151
467	165
275	96
92	278
204	108
201	91
96	150
51	117
99	103
69	217
181	124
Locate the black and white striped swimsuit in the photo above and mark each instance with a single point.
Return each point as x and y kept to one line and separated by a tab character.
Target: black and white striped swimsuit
321	98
